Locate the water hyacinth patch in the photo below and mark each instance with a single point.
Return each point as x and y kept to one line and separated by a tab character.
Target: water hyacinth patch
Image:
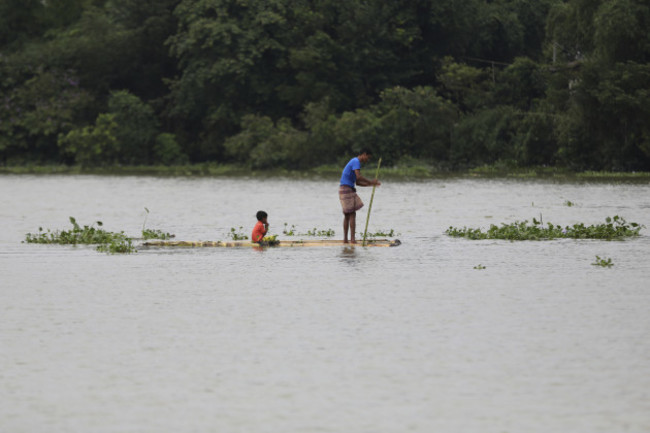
289	231
236	235
327	233
78	235
603	262
118	245
315	232
614	228
386	233
108	242
155	234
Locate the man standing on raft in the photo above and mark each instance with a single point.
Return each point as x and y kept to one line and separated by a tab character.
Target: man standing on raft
350	201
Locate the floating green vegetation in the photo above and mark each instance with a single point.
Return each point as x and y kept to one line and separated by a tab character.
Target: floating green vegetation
155	234
383	233
152	233
615	228
289	231
108	242
569	203
78	235
237	235
327	233
118	245
315	232
603	262
480	267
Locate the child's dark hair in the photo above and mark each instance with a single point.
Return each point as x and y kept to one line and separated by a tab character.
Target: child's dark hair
365	150
261	215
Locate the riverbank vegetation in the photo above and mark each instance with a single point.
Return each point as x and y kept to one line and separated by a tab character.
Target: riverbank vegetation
330	172
430	85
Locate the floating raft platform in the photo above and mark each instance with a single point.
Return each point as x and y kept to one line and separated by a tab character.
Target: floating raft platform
297	243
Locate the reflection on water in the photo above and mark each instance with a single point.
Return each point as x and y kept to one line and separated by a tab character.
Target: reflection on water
324	339
349	254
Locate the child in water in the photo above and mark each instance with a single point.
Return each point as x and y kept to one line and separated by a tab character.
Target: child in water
261	227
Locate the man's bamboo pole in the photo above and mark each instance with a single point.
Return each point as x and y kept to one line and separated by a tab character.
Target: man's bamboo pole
372	196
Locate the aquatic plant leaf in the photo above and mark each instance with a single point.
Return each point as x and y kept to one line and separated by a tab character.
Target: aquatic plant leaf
618	229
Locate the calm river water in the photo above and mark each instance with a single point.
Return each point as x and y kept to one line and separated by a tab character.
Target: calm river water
328	339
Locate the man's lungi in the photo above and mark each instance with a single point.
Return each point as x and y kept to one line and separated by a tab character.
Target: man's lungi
350	201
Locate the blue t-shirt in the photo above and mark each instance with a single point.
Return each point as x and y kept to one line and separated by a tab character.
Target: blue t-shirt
349	177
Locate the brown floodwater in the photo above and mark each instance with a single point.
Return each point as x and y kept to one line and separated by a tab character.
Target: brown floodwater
325	339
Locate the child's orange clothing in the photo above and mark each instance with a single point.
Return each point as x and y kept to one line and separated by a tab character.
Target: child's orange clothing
258	232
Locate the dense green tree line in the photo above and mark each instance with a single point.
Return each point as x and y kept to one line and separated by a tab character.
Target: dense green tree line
296	83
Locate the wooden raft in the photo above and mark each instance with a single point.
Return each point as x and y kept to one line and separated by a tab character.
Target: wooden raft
297	243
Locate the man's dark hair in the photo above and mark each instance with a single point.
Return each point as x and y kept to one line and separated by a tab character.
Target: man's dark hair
365	150
261	215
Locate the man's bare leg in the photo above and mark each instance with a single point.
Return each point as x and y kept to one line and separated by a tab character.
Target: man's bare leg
346	227
353	227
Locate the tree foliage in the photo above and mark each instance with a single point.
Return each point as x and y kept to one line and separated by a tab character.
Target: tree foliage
297	83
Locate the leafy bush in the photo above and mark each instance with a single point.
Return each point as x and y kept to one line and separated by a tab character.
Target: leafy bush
485	136
138	127
263	144
167	150
414	122
93	145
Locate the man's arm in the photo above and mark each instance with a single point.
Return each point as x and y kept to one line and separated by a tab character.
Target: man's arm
363	181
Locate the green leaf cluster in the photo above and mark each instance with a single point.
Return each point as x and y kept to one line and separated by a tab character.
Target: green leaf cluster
77	235
325	233
237	235
603	262
108	242
613	229
117	246
315	232
156	234
383	233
